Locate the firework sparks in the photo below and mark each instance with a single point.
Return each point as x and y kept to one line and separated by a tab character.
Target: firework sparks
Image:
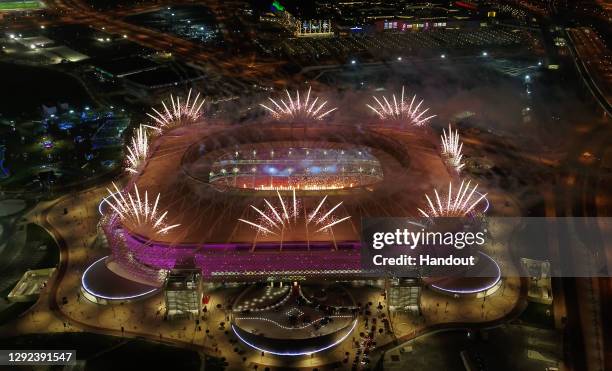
453	205
451	148
180	113
392	109
297	108
287	214
137	211
138	151
333	223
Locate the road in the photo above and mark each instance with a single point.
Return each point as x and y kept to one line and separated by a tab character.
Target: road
592	60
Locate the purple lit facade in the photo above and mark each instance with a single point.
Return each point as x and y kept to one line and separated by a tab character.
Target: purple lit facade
237	260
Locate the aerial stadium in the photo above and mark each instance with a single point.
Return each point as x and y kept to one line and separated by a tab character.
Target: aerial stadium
279	199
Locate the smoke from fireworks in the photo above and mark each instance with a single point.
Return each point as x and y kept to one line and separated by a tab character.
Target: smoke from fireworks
392	109
286	214
305	108
453	205
136	211
180	113
138	150
451	149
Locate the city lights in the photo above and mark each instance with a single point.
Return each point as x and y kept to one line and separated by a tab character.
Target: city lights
288	191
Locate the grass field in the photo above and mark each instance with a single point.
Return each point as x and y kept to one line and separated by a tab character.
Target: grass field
20	5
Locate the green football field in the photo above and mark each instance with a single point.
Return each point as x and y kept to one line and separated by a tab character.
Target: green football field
18	5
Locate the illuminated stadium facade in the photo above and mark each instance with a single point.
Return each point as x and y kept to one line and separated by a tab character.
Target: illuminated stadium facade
271	200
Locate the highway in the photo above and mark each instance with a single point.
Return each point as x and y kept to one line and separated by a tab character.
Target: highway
585	71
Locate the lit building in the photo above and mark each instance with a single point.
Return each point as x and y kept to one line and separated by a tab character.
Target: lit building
182	293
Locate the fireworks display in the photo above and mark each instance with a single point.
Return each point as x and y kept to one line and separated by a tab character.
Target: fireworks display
286	214
392	109
138	150
251	188
453	205
451	149
136	211
180	113
297	108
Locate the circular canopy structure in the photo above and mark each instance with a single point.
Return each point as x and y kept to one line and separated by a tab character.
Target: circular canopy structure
100	284
481	278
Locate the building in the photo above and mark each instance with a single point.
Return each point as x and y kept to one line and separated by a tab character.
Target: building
183	293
